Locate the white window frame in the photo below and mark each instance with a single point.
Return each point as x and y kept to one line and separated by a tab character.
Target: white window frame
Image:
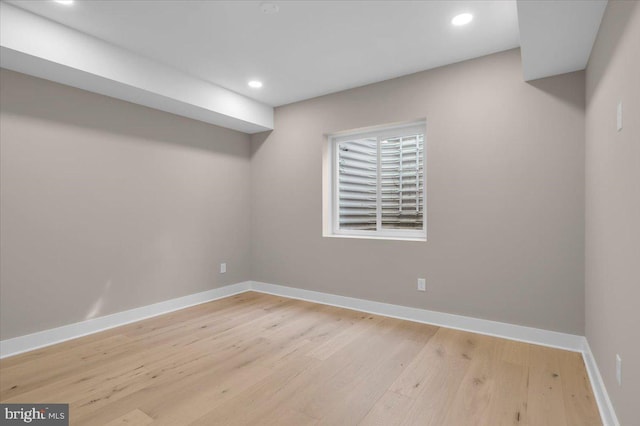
331	221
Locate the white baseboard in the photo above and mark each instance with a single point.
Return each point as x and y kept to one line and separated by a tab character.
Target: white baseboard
521	333
607	413
537	336
52	336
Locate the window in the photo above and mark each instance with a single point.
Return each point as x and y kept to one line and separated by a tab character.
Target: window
377	183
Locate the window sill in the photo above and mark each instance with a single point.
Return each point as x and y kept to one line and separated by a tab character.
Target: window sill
372	237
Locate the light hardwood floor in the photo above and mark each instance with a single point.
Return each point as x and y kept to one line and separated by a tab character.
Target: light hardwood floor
256	359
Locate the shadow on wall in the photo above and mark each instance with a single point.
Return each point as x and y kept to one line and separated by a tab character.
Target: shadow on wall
610	44
257	140
555	86
45	100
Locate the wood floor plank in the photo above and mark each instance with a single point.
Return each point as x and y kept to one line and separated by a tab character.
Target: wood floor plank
477	387
579	405
169	385
389	410
351	403
287	418
515	352
264	397
203	396
344	338
260	359
133	418
447	350
508	405
20	378
433	378
545	394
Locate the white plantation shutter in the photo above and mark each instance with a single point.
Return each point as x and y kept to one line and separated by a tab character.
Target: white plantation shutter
357	184
402	182
379	182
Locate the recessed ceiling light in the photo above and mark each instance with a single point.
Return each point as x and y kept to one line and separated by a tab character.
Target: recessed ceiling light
269	8
255	84
462	19
65	2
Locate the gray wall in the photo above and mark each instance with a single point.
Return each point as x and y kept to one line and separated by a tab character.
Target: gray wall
108	206
505	191
613	205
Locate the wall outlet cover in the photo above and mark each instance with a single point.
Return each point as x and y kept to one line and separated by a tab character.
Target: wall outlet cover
422	284
619	116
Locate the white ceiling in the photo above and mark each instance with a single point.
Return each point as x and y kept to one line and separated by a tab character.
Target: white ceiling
557	36
194	58
307	49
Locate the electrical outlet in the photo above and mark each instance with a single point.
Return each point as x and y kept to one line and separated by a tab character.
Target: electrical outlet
422	284
619	369
223	268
